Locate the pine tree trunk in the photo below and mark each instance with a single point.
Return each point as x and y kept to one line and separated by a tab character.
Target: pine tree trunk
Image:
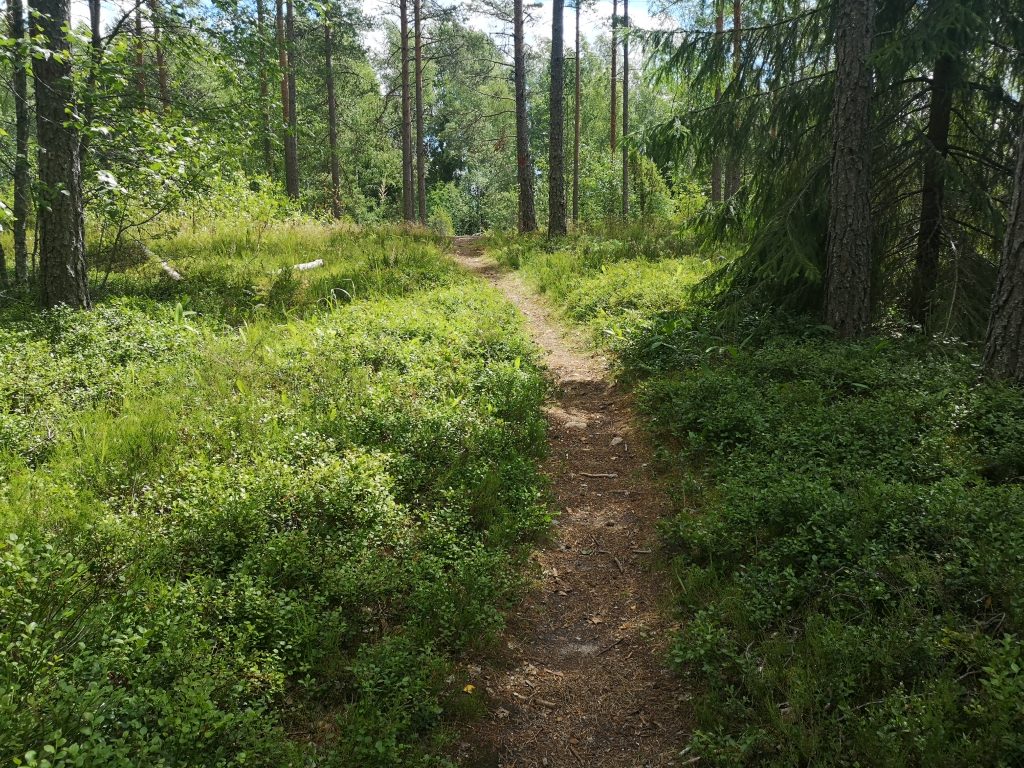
421	138
4	282
22	179
625	111
733	170
332	117
408	188
1004	345
161	60
291	171
556	137
63	278
293	115
615	76
266	143
933	190
576	128
848	275
716	161
524	166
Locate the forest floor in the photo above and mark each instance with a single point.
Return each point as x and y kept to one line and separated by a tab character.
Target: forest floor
580	678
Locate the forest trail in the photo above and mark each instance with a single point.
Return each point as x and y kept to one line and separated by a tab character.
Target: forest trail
581	679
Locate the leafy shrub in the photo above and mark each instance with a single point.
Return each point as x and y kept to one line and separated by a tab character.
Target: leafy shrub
262	544
848	542
853	578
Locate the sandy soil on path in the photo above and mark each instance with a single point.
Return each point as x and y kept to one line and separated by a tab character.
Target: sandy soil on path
581	679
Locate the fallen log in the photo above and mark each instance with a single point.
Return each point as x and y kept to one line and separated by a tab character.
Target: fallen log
171	272
309	265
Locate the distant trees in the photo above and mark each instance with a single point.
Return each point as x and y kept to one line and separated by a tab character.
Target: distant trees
62	270
875	168
557	224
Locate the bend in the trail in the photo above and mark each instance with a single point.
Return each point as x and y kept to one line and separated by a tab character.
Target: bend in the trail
582	680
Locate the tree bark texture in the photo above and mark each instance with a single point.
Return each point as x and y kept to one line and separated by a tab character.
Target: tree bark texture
266	143
716	161
408	193
625	111
63	278
22	180
421	137
933	189
576	127
293	115
556	139
524	165
332	118
615	76
291	158
848	271
1004	345
733	170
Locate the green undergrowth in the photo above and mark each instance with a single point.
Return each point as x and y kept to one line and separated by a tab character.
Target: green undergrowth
249	522
611	284
238	272
848	545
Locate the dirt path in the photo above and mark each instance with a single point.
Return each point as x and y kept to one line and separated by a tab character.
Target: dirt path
582	680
